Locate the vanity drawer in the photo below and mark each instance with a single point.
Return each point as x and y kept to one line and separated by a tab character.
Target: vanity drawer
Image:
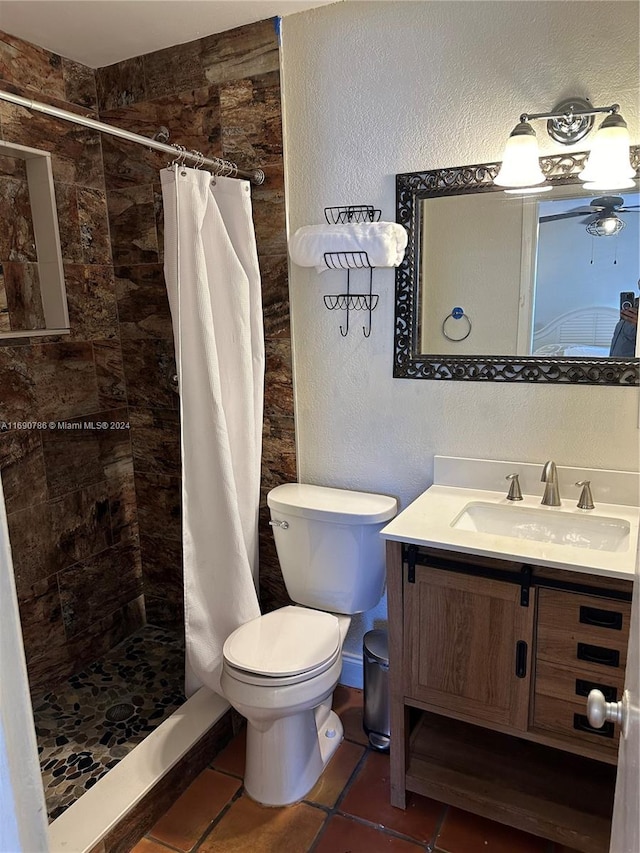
584	631
573	685
569	719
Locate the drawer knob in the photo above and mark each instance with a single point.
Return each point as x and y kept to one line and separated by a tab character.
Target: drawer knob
599	711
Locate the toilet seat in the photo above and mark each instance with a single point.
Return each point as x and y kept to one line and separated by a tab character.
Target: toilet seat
279	681
290	644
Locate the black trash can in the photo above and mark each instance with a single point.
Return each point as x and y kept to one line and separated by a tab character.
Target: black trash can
375	652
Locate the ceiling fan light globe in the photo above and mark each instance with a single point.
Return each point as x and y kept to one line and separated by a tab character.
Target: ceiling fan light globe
606	226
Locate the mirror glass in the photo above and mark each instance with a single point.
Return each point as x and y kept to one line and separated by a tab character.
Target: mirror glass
518	287
539	275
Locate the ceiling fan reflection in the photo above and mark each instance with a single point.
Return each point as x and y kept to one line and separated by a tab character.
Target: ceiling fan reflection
601	216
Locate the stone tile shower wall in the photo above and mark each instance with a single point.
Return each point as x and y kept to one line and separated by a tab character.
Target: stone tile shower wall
69	493
220	95
73	520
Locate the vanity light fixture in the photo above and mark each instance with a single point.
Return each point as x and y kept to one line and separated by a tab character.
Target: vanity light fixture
520	168
607	167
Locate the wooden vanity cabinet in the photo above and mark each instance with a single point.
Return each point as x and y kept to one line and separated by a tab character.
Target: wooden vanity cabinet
470	643
490	665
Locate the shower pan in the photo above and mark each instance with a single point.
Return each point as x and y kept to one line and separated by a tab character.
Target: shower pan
87	724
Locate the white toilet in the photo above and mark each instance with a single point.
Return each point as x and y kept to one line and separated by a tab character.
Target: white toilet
280	670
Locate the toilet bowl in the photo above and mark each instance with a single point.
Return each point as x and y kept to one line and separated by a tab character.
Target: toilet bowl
292	731
280	669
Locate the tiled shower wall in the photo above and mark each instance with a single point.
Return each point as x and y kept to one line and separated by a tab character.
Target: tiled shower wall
69	492
220	95
72	507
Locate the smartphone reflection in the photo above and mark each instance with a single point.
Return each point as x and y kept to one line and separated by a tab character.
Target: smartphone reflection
623	342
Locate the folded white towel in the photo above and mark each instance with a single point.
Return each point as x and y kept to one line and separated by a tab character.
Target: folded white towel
384	243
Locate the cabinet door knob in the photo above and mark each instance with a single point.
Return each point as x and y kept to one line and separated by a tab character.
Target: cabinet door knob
599	711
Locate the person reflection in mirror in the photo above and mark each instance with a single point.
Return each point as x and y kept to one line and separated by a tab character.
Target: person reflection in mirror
623	342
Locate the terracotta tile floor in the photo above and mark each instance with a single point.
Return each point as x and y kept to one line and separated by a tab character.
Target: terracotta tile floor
348	811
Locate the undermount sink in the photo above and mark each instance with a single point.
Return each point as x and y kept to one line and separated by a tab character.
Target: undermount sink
598	533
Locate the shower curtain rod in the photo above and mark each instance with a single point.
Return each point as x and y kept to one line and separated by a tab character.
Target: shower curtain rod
179	154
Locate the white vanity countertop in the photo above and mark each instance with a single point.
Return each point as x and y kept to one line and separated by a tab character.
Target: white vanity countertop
429	521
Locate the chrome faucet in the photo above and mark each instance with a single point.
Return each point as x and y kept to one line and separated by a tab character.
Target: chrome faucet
549	476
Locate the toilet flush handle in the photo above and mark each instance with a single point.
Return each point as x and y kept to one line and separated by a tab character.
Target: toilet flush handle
283	524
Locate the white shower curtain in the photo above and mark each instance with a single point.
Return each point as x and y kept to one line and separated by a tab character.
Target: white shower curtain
213	282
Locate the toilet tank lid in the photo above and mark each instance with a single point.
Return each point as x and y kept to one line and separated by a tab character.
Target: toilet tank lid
334	505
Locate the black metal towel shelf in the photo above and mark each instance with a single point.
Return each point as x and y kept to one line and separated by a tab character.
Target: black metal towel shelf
351	261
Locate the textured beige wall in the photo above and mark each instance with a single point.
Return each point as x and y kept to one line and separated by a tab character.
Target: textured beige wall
374	88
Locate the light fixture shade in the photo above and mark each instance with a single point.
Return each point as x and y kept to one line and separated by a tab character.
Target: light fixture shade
599	186
608	166
539	188
520	164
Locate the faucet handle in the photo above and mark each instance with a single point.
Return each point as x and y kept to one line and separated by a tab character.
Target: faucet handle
514	489
586	498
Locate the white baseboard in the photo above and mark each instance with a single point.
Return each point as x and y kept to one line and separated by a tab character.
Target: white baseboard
352	673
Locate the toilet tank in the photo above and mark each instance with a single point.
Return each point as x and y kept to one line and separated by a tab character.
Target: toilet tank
329	546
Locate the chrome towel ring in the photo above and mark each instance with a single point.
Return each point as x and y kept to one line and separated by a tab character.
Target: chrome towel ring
448	327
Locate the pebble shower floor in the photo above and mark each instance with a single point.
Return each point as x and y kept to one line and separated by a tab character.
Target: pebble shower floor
92	720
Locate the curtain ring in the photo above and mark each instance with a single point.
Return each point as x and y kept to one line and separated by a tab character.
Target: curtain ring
176	160
456	314
180	159
225	168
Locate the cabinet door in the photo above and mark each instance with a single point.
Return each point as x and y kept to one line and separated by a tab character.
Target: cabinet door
469	646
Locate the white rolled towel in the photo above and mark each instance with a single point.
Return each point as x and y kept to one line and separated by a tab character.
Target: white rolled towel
384	243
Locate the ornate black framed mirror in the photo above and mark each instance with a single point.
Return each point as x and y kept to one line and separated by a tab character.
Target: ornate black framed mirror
515	287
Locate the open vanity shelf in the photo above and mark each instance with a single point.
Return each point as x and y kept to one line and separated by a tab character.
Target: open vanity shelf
535	788
490	664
